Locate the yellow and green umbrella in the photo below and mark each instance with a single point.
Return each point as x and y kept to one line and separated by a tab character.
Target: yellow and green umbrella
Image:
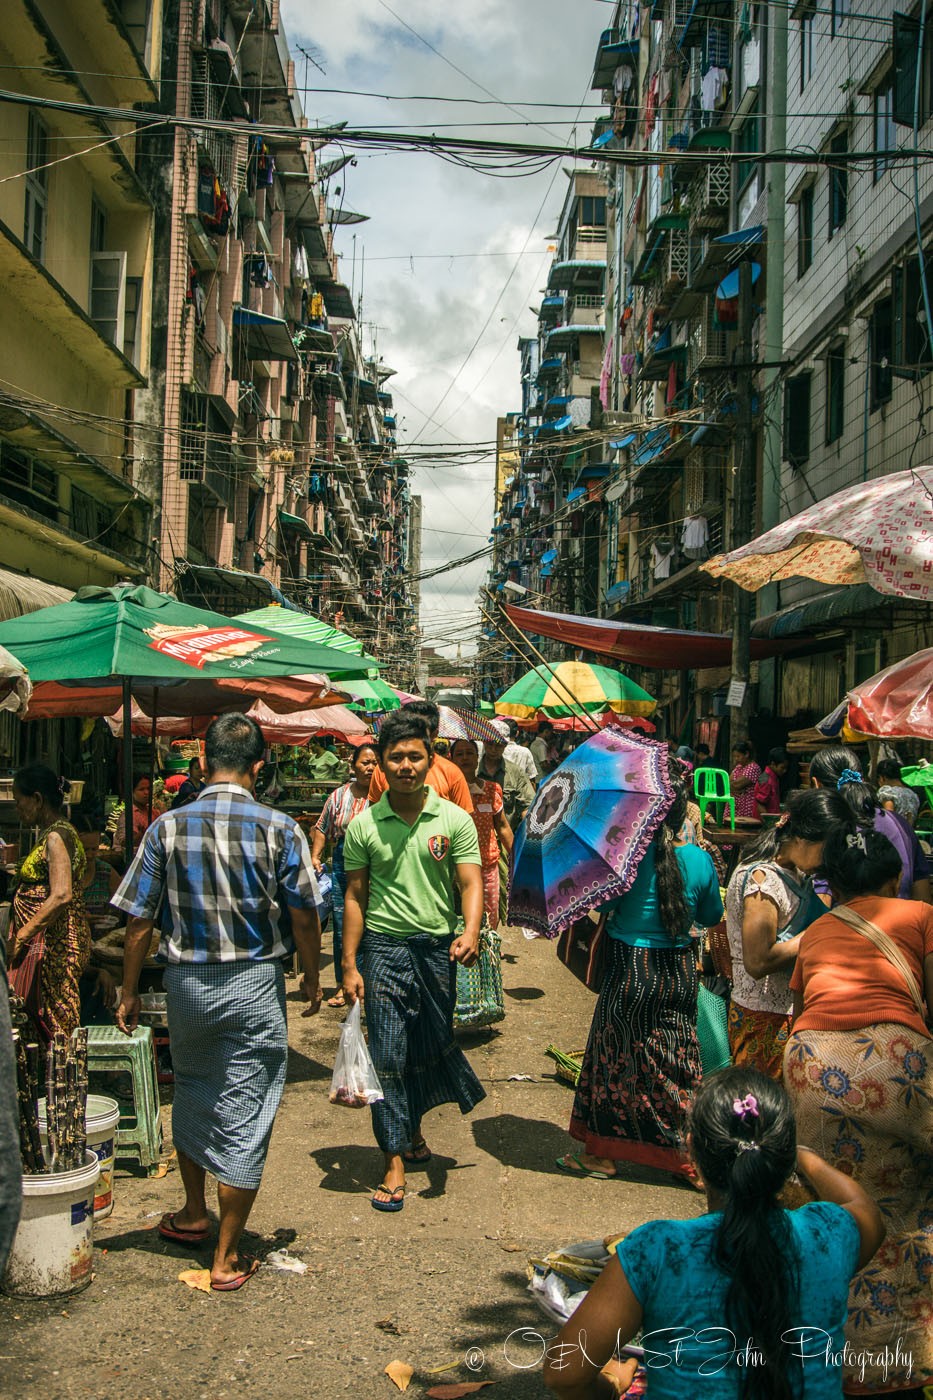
570	688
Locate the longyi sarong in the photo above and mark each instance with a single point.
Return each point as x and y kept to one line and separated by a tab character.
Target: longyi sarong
863	1100
229	1040
411	991
642	1061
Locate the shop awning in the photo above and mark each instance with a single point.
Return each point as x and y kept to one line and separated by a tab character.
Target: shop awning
295	522
576	494
742	236
658	648
834	604
263	337
21	594
620	444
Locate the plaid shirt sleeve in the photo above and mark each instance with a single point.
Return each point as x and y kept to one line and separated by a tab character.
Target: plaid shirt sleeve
142	888
295	872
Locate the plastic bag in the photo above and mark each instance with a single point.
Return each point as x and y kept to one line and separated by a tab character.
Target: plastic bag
325	896
355	1083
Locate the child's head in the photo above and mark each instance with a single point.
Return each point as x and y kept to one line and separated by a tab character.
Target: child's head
861	862
743	1135
888	771
778	761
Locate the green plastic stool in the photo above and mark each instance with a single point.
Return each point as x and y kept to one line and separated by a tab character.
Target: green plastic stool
108	1049
711	785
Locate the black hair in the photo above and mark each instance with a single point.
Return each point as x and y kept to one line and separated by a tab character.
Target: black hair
747	1154
888	768
403	724
141	778
743	746
839	763
361	748
193	761
36	780
811	816
86	822
233	743
464	739
426	710
672	895
701	748
859	863
778	755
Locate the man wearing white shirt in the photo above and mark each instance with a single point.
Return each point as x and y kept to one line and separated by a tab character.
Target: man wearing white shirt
516	753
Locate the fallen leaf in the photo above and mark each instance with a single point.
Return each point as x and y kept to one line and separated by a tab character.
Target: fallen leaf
196	1278
387	1324
457	1390
400	1374
451	1366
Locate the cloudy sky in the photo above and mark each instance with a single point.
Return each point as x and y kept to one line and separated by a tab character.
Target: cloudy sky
427	300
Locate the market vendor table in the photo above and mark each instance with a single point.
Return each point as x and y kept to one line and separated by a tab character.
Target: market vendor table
731	842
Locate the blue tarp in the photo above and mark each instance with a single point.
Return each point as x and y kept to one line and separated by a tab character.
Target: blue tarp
575	494
738	236
729	286
549	556
652	446
620	444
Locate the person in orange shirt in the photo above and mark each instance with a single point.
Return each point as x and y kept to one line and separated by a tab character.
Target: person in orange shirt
858	1066
443	776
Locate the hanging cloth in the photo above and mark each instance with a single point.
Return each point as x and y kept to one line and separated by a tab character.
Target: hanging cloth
694	537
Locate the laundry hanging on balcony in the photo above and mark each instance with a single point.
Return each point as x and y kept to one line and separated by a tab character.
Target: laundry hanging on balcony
694	537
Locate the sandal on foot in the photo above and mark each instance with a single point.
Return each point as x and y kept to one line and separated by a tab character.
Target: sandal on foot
419	1156
396	1199
177	1233
579	1169
230	1285
338	1001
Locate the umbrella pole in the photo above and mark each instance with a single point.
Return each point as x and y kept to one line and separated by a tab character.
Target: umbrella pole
556	680
128	767
152	748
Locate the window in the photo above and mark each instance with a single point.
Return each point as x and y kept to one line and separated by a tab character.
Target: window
28	482
906	46
37	187
881	352
749	143
98	227
804	230
797	419
838	182
131	306
835	392
838	13
592	211
912	354
883	127
807	41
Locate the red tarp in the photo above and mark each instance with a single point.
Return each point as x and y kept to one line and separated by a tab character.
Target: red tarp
659	648
897	703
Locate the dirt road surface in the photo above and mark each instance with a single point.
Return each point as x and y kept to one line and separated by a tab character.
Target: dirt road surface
440	1286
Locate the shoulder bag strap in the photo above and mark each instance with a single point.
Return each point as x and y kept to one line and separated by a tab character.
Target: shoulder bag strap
886	946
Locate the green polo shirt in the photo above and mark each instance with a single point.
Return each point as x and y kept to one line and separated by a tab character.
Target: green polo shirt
411	868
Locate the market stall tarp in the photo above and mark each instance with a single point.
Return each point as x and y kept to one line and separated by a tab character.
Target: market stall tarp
656	648
878	532
574	687
294	728
284	695
109	633
897	703
306	626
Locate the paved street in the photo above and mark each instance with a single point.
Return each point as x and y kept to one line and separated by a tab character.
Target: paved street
446	1277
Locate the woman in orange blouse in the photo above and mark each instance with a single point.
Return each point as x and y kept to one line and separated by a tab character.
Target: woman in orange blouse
859	1069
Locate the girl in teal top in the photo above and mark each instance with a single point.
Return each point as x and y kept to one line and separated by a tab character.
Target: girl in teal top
747	1302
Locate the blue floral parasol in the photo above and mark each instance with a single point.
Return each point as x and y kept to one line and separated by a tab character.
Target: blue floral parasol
587	830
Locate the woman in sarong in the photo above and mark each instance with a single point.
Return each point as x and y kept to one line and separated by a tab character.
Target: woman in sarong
859	1069
642	1062
769	902
48	902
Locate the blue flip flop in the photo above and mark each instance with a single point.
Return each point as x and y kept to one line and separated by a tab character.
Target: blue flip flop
392	1205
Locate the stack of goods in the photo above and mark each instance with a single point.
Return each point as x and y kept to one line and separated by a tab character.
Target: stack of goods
66	1094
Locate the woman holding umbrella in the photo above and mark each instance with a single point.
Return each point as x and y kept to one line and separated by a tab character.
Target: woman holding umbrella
642	1060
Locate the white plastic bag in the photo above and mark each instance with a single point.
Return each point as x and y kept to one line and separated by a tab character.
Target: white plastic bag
355	1083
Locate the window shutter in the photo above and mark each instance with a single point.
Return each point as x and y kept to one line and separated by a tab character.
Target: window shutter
108	295
906	45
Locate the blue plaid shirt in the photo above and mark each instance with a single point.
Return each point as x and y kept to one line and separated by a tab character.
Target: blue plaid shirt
218	878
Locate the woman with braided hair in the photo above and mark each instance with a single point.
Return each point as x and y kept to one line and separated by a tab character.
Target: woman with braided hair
747	1302
642	1062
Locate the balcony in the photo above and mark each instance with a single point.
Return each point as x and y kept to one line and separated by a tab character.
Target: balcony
582	274
615	48
552	310
709	197
586	309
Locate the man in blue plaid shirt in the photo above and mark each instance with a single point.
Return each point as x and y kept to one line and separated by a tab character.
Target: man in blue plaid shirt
231	887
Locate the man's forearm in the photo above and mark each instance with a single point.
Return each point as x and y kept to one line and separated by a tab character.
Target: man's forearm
135	947
472	901
306	931
353	924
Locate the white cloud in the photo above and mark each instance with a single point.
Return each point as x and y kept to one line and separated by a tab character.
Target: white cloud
429	310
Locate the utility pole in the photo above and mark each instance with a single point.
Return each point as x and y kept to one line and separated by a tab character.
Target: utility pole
743	524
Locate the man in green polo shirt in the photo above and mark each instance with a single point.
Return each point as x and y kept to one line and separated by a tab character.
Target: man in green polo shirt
402	856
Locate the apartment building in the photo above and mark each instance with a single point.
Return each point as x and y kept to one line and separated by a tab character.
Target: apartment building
77	264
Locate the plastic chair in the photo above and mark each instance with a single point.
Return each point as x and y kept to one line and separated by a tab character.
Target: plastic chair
711	786
108	1049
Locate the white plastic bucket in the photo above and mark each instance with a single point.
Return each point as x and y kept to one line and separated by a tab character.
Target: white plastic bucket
53	1250
100	1121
